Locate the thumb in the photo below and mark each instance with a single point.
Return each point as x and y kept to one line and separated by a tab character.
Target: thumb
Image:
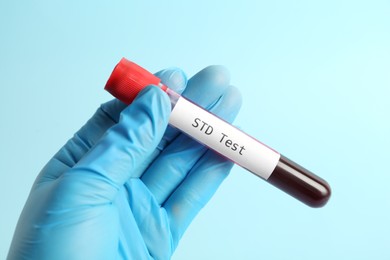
98	176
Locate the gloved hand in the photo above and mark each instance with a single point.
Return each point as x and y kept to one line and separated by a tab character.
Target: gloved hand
121	187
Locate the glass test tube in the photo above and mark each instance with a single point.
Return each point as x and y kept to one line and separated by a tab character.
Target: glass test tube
127	79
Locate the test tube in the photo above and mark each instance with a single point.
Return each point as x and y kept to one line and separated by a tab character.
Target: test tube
128	79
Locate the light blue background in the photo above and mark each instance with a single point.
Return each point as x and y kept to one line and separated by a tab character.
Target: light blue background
315	79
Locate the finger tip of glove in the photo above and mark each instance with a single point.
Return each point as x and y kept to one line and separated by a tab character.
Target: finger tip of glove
178	79
174	78
233	98
229	104
218	75
213	80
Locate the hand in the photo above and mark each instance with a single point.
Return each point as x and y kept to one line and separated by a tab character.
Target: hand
121	187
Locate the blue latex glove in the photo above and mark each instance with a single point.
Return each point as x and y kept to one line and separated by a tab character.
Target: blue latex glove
126	186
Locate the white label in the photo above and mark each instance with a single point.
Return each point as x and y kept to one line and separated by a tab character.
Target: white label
224	138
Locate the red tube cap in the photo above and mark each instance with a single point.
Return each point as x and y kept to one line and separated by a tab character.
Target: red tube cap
128	79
